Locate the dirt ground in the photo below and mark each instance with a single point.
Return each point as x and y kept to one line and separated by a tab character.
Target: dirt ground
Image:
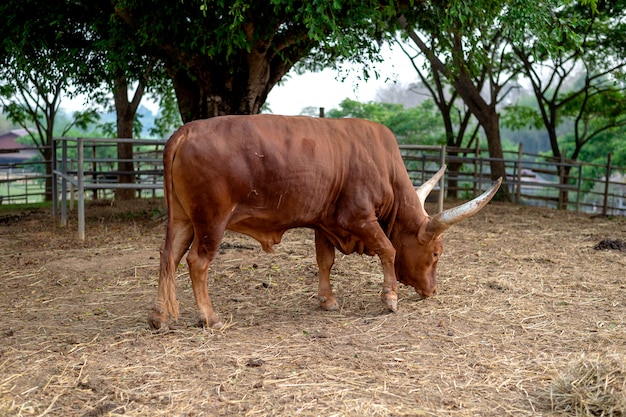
522	295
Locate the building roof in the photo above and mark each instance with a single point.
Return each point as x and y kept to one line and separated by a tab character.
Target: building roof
11	151
8	140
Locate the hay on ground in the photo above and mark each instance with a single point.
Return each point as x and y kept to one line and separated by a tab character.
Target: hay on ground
594	385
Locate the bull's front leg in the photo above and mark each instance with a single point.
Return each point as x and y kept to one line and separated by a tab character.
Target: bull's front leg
389	293
325	254
376	241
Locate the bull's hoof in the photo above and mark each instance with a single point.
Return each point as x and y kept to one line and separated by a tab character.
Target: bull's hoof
329	304
390	300
212	323
156	320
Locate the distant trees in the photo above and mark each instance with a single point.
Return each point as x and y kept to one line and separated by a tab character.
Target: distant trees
210	58
581	81
420	124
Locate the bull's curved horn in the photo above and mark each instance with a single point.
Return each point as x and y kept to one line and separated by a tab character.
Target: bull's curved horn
427	187
442	221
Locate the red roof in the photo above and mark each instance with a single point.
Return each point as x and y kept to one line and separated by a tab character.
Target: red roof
8	140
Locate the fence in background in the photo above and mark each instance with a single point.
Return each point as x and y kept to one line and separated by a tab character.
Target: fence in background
82	166
21	182
87	168
531	179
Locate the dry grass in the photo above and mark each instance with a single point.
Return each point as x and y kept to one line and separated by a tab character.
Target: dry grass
592	386
523	296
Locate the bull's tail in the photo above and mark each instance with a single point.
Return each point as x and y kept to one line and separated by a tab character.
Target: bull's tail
167	274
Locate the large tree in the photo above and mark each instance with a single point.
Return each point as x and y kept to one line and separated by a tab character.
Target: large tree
37	55
225	57
456	117
579	81
467	46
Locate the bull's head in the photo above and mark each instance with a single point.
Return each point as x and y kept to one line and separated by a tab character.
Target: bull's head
419	251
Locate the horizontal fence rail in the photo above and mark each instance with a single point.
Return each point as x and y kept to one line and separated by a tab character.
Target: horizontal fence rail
531	179
22	181
93	172
87	168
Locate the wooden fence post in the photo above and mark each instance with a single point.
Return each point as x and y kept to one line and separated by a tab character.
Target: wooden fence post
605	205
562	203
476	168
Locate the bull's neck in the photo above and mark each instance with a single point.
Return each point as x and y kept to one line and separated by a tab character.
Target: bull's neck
409	212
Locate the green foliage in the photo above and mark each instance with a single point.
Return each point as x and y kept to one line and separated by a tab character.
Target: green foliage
6	124
578	80
168	118
519	116
416	125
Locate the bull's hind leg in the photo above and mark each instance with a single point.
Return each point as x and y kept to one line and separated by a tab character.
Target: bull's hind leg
201	253
178	238
325	253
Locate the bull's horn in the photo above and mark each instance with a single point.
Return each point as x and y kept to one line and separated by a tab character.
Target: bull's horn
442	221
427	187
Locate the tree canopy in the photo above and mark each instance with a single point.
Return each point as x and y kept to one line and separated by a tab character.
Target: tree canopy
223	57
419	124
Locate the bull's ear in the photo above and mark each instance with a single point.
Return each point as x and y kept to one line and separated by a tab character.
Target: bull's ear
442	221
427	187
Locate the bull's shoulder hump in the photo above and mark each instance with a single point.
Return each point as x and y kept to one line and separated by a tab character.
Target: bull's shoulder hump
241	130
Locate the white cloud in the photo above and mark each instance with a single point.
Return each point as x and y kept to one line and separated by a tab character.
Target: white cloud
320	89
325	89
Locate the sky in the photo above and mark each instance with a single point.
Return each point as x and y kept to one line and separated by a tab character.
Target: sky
321	89
324	89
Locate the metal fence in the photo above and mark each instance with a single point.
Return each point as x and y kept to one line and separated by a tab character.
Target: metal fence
82	166
87	168
21	182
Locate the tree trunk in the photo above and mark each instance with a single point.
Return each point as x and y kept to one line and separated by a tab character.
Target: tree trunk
47	157
491	127
207	90
484	112
47	148
489	119
453	166
125	112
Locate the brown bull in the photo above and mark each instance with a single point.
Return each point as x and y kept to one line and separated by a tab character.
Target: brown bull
262	175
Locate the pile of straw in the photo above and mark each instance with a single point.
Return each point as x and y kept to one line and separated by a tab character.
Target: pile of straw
592	386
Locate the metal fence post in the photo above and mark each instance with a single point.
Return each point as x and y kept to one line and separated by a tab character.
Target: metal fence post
518	191
562	204
579	187
64	183
55	185
81	190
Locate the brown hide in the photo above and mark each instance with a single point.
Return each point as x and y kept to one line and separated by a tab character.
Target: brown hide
262	175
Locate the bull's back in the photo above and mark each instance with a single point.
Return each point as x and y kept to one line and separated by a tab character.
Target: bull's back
279	172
